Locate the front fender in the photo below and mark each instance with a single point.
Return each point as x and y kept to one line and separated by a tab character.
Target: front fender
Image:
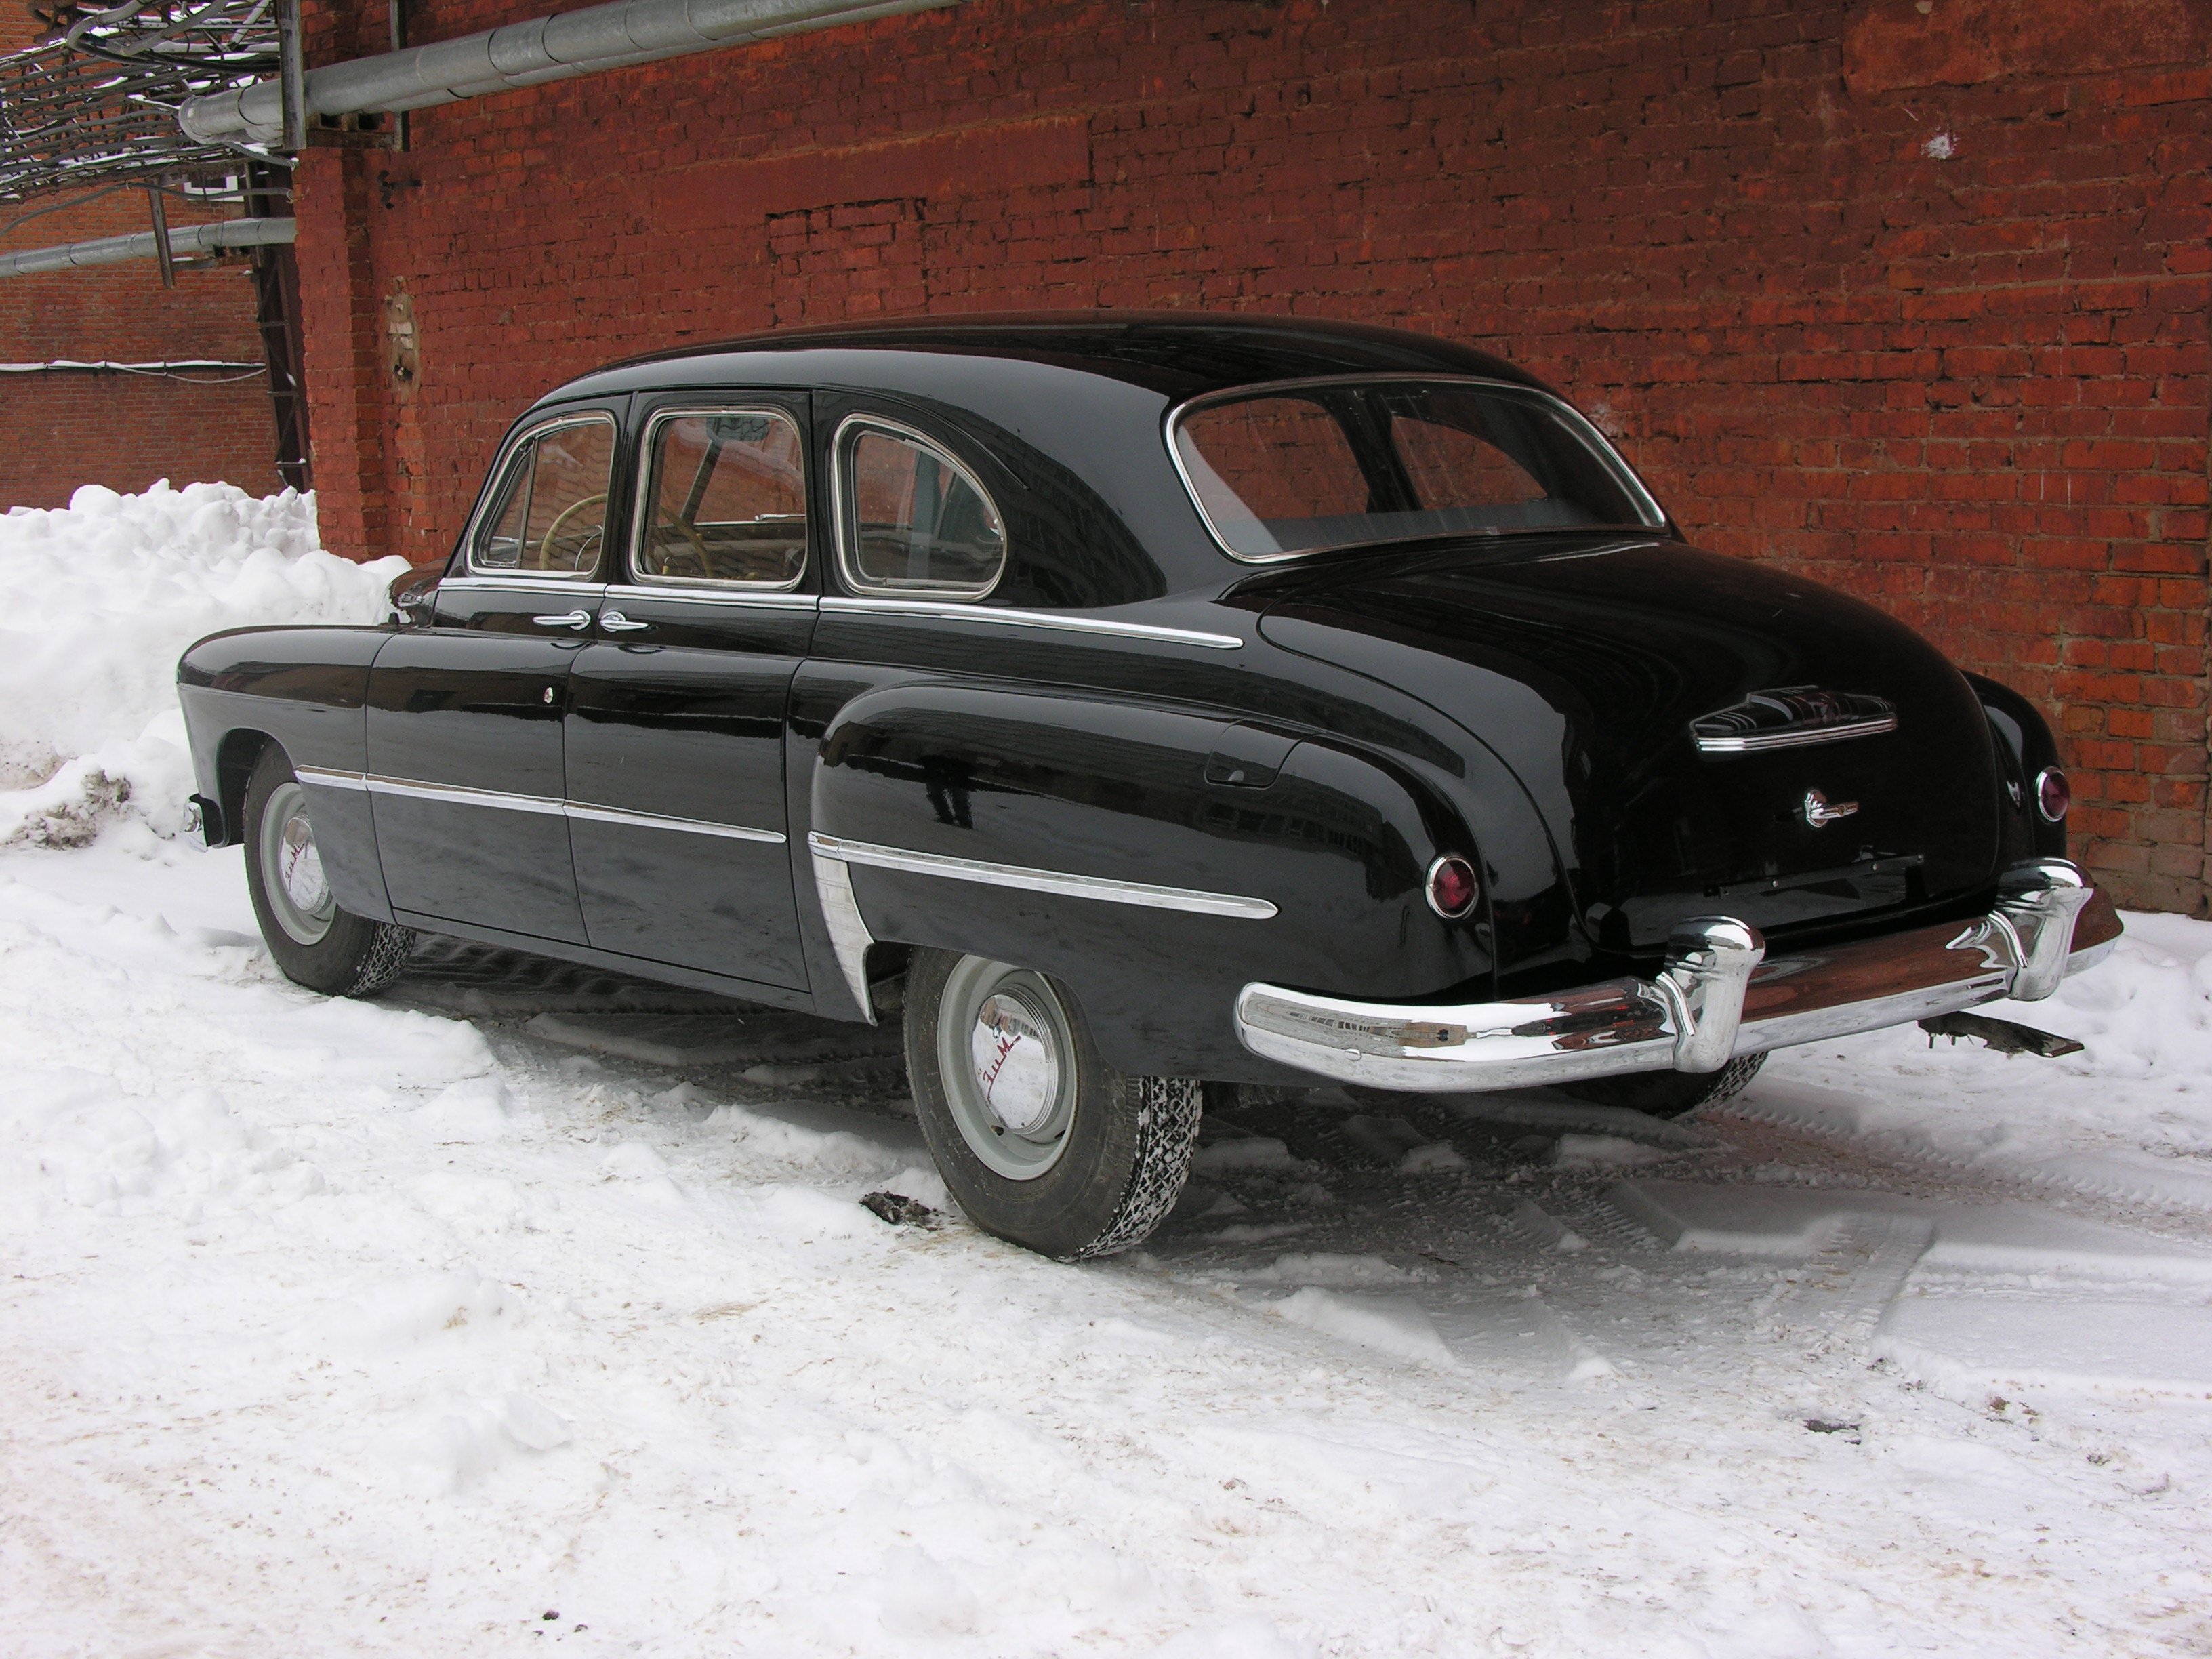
1082	835
306	691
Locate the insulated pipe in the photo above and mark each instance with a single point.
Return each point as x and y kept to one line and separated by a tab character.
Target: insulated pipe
604	37
143	245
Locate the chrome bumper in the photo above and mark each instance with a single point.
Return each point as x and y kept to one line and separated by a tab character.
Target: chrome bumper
1720	995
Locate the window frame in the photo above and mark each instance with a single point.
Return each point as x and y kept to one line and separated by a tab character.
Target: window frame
845	511
495	497
648	479
1578	425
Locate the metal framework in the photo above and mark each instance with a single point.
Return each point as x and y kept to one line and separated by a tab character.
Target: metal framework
95	103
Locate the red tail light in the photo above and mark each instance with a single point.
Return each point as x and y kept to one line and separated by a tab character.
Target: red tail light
2052	796
1453	889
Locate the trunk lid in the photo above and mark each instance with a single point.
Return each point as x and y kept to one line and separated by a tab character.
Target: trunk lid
1586	665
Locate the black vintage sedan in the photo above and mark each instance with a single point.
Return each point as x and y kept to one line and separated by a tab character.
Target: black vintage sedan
1135	703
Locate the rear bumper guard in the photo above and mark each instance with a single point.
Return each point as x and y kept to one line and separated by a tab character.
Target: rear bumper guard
1720	995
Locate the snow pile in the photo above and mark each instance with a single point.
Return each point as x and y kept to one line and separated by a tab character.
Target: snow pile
97	601
2128	1117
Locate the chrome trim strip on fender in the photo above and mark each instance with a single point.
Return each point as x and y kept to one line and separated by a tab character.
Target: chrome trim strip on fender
454	794
1049	619
848	934
324	777
1042	881
1716	999
586	809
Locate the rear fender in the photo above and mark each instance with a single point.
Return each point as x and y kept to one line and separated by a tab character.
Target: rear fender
1082	836
2024	747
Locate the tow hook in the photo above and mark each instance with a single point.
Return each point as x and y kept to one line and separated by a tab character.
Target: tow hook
2002	1035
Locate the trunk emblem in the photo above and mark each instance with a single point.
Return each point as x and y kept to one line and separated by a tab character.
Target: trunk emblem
1817	811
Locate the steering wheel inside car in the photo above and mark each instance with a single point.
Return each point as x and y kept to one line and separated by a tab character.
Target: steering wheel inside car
545	541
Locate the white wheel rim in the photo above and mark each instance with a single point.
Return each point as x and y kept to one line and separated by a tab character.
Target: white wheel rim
292	876
1007	1060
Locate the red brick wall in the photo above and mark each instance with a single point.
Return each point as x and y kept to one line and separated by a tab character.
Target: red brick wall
58	431
1913	301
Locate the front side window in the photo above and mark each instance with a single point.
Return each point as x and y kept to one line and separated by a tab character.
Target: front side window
913	520
549	515
1297	469
728	499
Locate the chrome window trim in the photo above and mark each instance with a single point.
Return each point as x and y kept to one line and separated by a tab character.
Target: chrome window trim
499	472
537	581
454	794
1011	618
842	510
647	475
1059	882
735	594
1805	738
1577	423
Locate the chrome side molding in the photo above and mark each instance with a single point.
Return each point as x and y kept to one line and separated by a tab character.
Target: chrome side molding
1060	882
1058	621
1719	995
454	794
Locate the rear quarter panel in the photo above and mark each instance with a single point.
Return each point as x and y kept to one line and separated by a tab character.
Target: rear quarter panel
1114	787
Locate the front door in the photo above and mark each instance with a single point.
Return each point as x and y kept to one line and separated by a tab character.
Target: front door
675	728
464	716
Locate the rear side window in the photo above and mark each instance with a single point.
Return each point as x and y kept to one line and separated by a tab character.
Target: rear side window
549	515
728	499
1341	464
911	520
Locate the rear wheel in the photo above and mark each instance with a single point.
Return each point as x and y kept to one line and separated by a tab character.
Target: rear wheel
1669	1094
315	943
1040	1141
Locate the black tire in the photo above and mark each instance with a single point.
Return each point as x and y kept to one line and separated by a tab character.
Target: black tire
1669	1094
1112	1151
315	943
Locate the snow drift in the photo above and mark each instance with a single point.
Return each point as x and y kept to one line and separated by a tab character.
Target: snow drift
97	601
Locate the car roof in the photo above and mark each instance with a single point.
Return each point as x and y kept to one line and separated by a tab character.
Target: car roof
1177	354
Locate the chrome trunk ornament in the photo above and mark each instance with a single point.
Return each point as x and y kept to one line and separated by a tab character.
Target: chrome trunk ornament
1792	717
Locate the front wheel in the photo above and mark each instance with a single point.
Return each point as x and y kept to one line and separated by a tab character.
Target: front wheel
1038	1139
315	944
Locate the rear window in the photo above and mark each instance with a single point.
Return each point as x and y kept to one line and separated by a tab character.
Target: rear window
1278	472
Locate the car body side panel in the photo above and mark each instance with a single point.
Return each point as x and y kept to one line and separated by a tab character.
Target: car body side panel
303	689
1336	844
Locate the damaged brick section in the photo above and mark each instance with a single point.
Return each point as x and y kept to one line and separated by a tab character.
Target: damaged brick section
1910	295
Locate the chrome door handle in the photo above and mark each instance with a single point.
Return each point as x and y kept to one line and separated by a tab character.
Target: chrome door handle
573	619
615	622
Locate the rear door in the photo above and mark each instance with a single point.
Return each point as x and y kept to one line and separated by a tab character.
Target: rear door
464	716
675	771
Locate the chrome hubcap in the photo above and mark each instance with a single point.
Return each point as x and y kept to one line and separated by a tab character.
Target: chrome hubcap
1007	1060
292	876
303	866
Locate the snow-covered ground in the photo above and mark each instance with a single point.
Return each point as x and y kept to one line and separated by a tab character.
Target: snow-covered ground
529	1307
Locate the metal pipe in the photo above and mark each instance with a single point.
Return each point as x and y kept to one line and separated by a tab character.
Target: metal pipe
115	249
604	37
